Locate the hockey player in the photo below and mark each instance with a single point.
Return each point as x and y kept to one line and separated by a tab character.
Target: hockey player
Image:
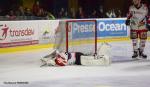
137	20
57	58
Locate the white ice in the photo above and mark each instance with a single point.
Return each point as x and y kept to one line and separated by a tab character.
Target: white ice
123	72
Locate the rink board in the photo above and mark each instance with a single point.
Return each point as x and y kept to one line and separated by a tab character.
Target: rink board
45	34
36	47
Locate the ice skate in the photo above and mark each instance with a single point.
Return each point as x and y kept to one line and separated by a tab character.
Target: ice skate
135	55
142	55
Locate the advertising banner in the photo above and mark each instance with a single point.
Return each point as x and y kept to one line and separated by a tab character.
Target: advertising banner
82	29
18	33
47	30
112	28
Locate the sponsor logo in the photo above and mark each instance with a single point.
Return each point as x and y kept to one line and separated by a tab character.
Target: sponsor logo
18	33
5	31
111	28
84	27
102	26
46	35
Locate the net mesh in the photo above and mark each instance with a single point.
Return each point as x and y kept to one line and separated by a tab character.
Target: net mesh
77	36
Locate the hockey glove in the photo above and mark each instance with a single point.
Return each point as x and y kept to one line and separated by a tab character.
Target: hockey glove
127	22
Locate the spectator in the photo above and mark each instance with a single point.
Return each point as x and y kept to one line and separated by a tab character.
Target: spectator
72	13
111	13
66	15
94	14
20	13
28	14
11	15
80	13
118	13
35	8
101	12
61	14
41	13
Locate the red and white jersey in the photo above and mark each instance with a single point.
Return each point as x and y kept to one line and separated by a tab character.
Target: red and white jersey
63	59
138	16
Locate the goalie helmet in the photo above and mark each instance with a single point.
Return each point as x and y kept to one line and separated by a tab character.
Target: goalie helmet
61	59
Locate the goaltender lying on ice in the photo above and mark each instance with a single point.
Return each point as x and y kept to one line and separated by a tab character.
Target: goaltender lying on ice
57	58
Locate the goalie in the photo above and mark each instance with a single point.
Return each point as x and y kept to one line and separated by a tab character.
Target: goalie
57	58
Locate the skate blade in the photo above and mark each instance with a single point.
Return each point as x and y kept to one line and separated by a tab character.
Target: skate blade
139	58
135	59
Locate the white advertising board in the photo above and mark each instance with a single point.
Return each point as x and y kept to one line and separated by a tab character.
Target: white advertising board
18	33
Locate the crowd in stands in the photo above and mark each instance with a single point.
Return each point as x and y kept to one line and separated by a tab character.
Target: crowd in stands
95	13
21	13
39	13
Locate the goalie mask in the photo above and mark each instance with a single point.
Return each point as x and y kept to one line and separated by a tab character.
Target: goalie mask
61	59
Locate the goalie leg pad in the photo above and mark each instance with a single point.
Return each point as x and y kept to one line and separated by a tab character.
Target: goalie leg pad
92	61
104	49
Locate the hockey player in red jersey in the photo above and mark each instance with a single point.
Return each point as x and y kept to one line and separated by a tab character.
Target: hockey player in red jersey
137	20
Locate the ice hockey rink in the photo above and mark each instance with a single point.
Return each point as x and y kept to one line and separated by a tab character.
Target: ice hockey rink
22	69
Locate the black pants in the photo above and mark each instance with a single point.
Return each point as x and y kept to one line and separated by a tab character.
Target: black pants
78	58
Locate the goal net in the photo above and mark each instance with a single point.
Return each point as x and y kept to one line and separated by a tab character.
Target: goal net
77	36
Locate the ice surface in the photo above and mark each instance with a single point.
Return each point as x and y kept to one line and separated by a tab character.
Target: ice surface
123	72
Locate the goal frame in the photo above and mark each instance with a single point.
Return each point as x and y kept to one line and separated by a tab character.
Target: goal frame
81	20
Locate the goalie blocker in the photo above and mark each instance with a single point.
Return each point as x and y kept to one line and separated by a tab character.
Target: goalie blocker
56	58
